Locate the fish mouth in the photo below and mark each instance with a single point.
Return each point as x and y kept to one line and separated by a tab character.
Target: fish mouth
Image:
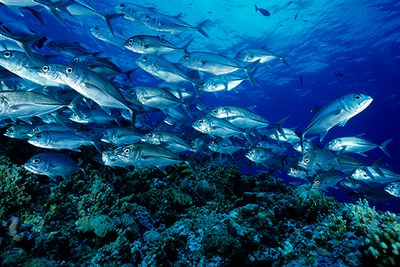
366	103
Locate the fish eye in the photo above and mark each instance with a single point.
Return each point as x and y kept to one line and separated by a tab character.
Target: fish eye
38	135
36	161
186	56
7	54
202	83
306	159
45	68
69	70
144	58
201	121
357	97
215	112
130	40
149	135
96	28
146	17
122	6
316	182
127	150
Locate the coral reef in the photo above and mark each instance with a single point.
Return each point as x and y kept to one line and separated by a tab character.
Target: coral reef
214	216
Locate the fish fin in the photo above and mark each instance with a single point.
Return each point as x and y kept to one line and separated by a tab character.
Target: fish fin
73	105
376	166
383	147
343	123
322	136
250	70
363	154
36	14
180	15
109	18
255	6
200	27
26	120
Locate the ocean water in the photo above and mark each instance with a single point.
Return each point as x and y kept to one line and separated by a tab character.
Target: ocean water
332	48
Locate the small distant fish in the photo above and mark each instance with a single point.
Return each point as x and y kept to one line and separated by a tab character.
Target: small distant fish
301	81
339	74
262	11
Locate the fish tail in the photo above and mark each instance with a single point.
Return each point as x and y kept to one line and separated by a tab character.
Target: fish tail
255	6
250	70
109	18
200	27
383	147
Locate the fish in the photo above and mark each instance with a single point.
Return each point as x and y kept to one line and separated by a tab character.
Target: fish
262	55
24	105
92	116
112	160
276	148
318	160
167	140
242	118
97	88
121	136
19	131
22	65
60	140
298	173
153	45
286	135
337	112
374	174
216	127
52	165
147	156
224	146
224	82
162	69
263	157
262	11
215	64
356	144
329	179
156	97
393	189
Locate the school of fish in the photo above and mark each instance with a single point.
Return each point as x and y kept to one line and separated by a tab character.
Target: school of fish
61	96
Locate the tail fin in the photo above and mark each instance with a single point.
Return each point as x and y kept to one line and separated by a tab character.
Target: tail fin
109	18
383	147
279	124
255	6
250	70
200	27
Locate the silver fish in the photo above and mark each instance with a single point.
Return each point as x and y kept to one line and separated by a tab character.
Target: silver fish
168	140
22	105
162	69
239	117
356	144
337	112
258	54
52	165
20	131
393	189
121	136
152	45
60	140
223	146
215	64
156	97
216	127
22	65
225	82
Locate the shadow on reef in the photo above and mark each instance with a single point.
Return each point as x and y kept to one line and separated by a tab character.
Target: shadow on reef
214	216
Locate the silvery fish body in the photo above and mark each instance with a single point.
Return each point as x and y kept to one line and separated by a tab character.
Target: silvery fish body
25	104
162	69
216	127
52	165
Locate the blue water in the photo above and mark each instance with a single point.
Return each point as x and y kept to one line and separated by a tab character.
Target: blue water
358	39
